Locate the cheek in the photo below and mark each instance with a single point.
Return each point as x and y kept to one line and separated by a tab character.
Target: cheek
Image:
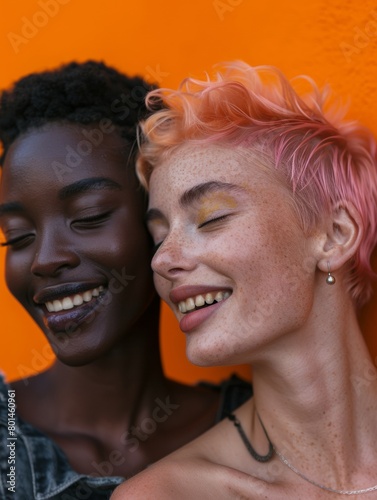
122	244
279	293
162	286
17	273
271	267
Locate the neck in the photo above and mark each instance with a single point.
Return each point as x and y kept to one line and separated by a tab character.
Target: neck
316	393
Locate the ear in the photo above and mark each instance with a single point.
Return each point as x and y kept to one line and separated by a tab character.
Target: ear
344	230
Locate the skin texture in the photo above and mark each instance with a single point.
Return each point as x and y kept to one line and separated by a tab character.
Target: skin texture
207	243
72	230
85	238
308	356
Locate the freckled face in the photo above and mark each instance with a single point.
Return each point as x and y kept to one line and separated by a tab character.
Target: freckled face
226	224
76	240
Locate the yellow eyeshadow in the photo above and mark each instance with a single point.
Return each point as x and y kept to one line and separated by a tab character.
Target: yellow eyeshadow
214	202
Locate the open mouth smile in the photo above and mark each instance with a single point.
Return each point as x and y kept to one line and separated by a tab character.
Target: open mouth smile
67	306
73	301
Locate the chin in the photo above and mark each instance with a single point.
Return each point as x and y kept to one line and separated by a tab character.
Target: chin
74	353
209	355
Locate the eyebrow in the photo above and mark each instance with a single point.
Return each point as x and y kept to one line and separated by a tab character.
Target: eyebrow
90	184
11	207
197	193
93	183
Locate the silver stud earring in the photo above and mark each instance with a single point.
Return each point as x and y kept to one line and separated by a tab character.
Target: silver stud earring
330	280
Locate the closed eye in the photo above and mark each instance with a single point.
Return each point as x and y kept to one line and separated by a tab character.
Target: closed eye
92	221
19	241
210	221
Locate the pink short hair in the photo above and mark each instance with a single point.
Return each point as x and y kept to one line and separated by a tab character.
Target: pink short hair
323	158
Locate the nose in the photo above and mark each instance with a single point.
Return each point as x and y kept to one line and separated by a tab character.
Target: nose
53	254
175	256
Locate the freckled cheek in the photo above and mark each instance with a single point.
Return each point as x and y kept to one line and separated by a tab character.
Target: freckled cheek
245	253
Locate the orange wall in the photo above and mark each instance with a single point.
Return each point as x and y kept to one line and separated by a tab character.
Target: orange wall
331	40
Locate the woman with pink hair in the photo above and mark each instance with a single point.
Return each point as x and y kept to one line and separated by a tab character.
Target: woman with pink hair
263	209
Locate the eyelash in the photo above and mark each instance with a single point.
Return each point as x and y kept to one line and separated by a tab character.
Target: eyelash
90	221
15	241
93	220
216	219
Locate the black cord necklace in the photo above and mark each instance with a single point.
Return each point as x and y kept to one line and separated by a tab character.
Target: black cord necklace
246	442
283	459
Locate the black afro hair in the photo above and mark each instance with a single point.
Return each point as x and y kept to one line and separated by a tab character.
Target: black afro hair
81	93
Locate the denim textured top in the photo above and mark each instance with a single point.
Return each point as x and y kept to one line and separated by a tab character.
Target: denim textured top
41	470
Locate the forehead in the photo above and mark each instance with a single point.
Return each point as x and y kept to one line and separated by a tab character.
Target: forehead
60	154
191	165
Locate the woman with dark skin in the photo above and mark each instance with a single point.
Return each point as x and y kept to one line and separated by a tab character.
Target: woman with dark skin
78	260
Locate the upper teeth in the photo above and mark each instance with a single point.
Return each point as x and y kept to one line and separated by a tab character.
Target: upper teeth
73	300
199	300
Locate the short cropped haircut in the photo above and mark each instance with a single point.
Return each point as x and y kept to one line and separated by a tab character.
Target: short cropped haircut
82	93
323	158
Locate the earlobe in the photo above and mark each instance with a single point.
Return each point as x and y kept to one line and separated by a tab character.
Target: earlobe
344	230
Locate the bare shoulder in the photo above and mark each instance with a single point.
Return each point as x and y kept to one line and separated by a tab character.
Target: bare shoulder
172	477
215	466
177	473
162	480
188	478
181	478
182	472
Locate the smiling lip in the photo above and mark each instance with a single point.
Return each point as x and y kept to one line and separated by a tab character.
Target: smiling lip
67	321
193	318
66	306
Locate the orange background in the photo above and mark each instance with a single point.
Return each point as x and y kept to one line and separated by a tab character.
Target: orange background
333	41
